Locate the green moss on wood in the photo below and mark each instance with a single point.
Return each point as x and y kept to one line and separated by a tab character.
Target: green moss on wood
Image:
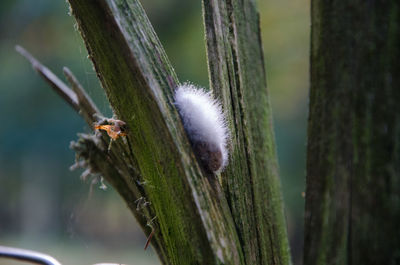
251	181
353	173
192	221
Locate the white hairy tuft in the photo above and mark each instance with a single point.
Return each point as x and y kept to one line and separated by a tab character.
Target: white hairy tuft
205	124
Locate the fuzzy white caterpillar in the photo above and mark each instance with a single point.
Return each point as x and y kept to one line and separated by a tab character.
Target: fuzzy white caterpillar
205	124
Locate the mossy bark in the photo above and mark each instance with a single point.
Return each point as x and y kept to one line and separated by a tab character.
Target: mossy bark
192	221
353	166
251	183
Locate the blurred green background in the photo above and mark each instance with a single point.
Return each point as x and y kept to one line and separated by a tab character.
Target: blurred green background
46	207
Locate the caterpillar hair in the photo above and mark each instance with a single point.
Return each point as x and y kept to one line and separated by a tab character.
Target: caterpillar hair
205	125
